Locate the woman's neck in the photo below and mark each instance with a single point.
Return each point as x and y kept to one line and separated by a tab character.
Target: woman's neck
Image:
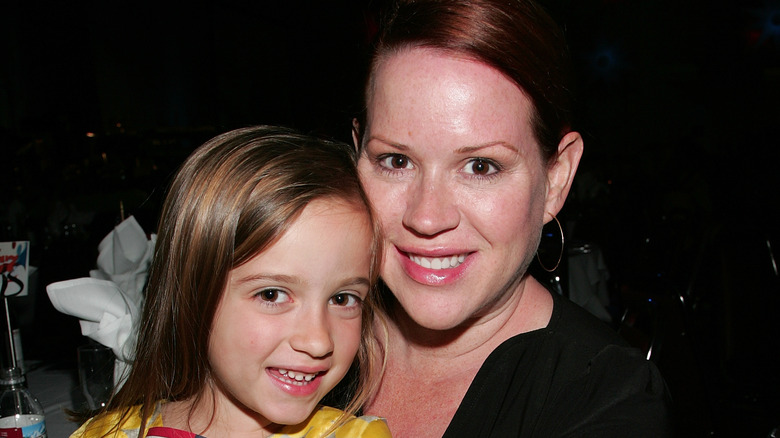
421	362
528	307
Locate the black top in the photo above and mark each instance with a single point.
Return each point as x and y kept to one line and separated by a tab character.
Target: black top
574	378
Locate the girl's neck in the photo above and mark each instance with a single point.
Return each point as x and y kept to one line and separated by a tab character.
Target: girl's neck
213	422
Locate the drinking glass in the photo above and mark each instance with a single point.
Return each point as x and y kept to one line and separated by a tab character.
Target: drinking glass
96	374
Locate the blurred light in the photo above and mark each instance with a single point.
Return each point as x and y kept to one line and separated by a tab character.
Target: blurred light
766	23
90	134
605	61
772	256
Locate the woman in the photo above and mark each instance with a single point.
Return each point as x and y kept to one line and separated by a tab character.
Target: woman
466	150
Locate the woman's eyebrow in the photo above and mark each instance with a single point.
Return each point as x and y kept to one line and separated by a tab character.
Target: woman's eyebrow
472	149
392	144
461	150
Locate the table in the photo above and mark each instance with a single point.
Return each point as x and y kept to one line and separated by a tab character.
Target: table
57	390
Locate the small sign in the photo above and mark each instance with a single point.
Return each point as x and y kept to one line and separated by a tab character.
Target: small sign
14	267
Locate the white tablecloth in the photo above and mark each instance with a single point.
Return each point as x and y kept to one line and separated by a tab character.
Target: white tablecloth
56	389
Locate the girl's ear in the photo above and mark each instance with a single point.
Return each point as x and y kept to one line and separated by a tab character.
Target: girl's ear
356	134
560	174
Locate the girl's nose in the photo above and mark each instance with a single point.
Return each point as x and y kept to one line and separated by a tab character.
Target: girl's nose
312	335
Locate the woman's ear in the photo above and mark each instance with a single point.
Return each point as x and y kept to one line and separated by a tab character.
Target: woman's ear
356	134
560	173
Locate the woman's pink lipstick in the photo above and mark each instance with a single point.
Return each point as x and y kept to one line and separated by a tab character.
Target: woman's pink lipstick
433	269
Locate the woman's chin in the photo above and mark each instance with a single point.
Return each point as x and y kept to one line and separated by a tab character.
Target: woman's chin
433	314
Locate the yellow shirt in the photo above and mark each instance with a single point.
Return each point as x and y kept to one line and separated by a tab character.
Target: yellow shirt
313	427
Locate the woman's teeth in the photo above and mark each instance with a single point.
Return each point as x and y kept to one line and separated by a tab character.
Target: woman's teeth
438	262
297	378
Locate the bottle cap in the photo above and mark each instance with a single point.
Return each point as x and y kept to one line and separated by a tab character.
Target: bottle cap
11	376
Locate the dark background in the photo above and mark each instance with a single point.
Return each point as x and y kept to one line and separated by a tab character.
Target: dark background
677	101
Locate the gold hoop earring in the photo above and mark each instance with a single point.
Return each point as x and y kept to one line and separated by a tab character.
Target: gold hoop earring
560	254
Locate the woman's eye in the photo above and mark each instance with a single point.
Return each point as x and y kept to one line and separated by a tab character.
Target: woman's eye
481	167
273	296
395	161
345	300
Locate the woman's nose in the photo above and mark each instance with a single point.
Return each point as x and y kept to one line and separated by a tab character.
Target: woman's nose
312	335
431	207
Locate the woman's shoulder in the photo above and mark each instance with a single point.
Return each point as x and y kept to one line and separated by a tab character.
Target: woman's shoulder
322	419
573	375
125	423
574	346
570	321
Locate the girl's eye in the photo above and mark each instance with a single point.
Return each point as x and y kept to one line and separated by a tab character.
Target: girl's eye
481	167
346	300
395	161
273	296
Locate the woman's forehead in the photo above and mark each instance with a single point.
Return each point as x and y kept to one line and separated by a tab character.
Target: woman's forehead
426	92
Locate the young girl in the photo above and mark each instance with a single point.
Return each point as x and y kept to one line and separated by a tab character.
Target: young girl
260	296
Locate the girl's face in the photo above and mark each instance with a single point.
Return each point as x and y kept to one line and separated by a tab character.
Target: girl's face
289	322
456	177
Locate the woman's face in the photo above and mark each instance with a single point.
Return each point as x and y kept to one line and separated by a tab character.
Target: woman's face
455	174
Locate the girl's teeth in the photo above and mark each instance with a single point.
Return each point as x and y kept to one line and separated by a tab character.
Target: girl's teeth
298	377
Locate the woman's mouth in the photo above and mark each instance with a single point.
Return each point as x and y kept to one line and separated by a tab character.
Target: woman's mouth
435	270
437	263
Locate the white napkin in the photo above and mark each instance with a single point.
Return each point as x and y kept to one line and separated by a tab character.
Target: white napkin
107	313
109	302
124	256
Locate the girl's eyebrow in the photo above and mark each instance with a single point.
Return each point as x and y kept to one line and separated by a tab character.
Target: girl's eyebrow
356	281
291	279
278	278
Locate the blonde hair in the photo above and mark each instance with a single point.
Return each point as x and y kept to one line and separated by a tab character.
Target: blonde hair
230	200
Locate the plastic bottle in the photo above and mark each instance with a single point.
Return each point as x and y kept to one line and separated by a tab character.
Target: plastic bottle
21	415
